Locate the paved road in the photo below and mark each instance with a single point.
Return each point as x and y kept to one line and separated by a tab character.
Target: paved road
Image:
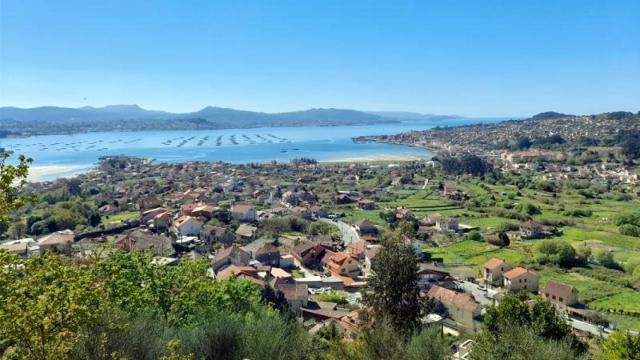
587	327
479	294
349	234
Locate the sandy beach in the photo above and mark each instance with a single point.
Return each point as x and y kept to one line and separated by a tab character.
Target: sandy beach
379	158
42	173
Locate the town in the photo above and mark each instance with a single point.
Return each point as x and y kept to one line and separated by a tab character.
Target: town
312	232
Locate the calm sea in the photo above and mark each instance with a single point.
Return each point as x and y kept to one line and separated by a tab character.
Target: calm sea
81	151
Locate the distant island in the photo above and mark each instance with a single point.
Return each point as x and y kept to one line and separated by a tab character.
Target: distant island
50	120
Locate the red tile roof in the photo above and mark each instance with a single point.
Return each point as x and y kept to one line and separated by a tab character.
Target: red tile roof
493	263
516	272
451	298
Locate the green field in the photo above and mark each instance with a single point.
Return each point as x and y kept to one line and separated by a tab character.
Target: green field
123	216
627	301
474	253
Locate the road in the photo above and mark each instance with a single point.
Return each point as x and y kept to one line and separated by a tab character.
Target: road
349	234
587	327
478	293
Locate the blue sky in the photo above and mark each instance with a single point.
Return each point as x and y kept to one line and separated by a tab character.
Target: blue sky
474	58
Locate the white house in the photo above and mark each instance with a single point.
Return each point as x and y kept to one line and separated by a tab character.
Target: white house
243	212
188	226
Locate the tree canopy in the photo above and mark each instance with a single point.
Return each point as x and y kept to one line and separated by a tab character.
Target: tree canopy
13	178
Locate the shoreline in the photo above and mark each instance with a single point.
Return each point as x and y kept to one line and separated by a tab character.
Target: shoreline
41	173
379	158
52	172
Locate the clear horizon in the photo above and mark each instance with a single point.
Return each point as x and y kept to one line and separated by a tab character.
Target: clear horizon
474	59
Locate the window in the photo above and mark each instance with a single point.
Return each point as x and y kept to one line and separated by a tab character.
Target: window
561	299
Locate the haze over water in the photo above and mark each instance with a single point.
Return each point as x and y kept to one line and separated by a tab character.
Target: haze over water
76	152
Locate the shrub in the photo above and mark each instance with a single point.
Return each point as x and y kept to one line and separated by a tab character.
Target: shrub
579	213
500	239
475	236
529	209
629	230
555	252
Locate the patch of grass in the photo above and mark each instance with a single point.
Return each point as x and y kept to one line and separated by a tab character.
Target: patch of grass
627	301
624	322
331	297
123	216
493	222
469	252
297	274
355	215
577	234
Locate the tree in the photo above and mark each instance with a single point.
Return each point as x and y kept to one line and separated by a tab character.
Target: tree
555	252
474	236
605	258
499	239
178	294
388	216
381	341
529	209
517	342
393	290
620	346
13	178
524	143
44	305
514	312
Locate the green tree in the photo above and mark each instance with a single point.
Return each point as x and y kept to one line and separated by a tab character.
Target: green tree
13	178
381	341
541	319
518	342
392	291
620	346
44	305
135	284
474	236
555	252
605	258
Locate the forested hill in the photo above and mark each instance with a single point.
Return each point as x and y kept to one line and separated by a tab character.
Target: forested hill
60	120
544	127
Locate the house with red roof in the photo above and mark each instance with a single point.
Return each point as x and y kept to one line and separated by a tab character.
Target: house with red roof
343	264
560	294
493	270
308	253
461	307
520	279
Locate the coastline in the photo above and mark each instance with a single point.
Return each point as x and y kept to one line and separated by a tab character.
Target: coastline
379	158
52	172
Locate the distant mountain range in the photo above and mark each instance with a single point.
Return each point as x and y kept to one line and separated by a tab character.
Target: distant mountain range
211	113
54	120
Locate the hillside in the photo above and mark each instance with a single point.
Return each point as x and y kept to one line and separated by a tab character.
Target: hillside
506	134
60	120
